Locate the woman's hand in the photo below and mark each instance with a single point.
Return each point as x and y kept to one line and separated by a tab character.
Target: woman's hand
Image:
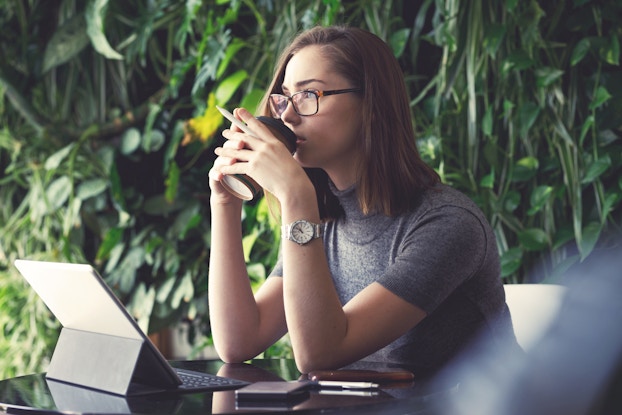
264	158
219	194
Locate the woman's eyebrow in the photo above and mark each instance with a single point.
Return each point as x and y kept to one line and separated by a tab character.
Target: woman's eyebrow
301	84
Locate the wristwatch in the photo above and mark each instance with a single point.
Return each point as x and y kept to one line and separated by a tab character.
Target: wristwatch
301	231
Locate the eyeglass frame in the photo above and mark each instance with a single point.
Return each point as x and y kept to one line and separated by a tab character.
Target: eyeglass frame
318	95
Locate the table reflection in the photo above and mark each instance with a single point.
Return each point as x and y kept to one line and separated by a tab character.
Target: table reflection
35	391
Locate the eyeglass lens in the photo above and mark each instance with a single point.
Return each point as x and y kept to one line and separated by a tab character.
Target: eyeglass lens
304	102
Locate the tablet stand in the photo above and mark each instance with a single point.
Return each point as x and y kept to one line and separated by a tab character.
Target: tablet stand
95	360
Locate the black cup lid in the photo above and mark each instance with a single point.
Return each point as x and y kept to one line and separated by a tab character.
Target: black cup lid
286	133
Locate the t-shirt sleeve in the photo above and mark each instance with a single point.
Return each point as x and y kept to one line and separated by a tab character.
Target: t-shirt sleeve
444	248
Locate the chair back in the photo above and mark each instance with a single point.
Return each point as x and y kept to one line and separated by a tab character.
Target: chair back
533	308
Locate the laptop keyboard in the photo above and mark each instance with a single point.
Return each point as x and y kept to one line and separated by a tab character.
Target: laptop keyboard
199	381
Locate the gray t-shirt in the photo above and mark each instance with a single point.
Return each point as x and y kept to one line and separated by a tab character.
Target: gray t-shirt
441	257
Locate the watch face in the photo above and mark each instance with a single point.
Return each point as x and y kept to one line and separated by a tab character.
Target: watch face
302	232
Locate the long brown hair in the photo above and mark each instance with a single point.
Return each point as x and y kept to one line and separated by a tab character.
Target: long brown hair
391	174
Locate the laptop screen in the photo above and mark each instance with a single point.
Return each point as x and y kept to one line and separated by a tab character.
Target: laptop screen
76	295
96	326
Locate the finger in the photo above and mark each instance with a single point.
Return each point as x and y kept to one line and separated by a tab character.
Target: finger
236	168
216	172
260	130
239	140
234	127
235	142
236	155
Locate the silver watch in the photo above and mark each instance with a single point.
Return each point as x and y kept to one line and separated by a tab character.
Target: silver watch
301	231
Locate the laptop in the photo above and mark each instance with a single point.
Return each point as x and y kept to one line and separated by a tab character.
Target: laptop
100	345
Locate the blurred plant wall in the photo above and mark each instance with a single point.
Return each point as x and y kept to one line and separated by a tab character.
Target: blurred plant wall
108	122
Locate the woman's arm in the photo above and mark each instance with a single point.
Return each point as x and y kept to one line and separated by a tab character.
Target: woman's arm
325	334
242	325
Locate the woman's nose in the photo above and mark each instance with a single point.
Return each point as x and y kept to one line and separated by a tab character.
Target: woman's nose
290	115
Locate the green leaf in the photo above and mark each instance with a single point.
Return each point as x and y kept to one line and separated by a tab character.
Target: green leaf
517	60
488	181
71	219
398	40
185	220
184	291
153	243
130	140
589	237
194	221
612	54
511	261
257	273
66	42
585	128
248	242
252	99
580	50
124	276
141	305
58	192
539	197
525	169
90	188
111	239
173	144
55	159
153	140
508	106
611	199
95	11
511	201
229	86
563	236
527	115
533	239
165	289
117	188
547	76
596	168
233	48
172	182
600	97
211	60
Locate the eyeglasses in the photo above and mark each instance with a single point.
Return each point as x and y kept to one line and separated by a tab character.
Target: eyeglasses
305	102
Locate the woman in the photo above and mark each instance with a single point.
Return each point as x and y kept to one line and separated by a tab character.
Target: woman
378	259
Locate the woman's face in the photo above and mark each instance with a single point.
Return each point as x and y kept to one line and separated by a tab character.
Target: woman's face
329	139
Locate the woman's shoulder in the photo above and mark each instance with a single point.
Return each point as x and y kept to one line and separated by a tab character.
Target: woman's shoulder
444	195
447	205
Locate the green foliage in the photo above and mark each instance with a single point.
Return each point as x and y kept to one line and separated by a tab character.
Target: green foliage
28	323
106	132
522	114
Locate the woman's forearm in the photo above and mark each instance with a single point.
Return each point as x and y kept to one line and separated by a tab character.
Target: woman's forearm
315	317
232	307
